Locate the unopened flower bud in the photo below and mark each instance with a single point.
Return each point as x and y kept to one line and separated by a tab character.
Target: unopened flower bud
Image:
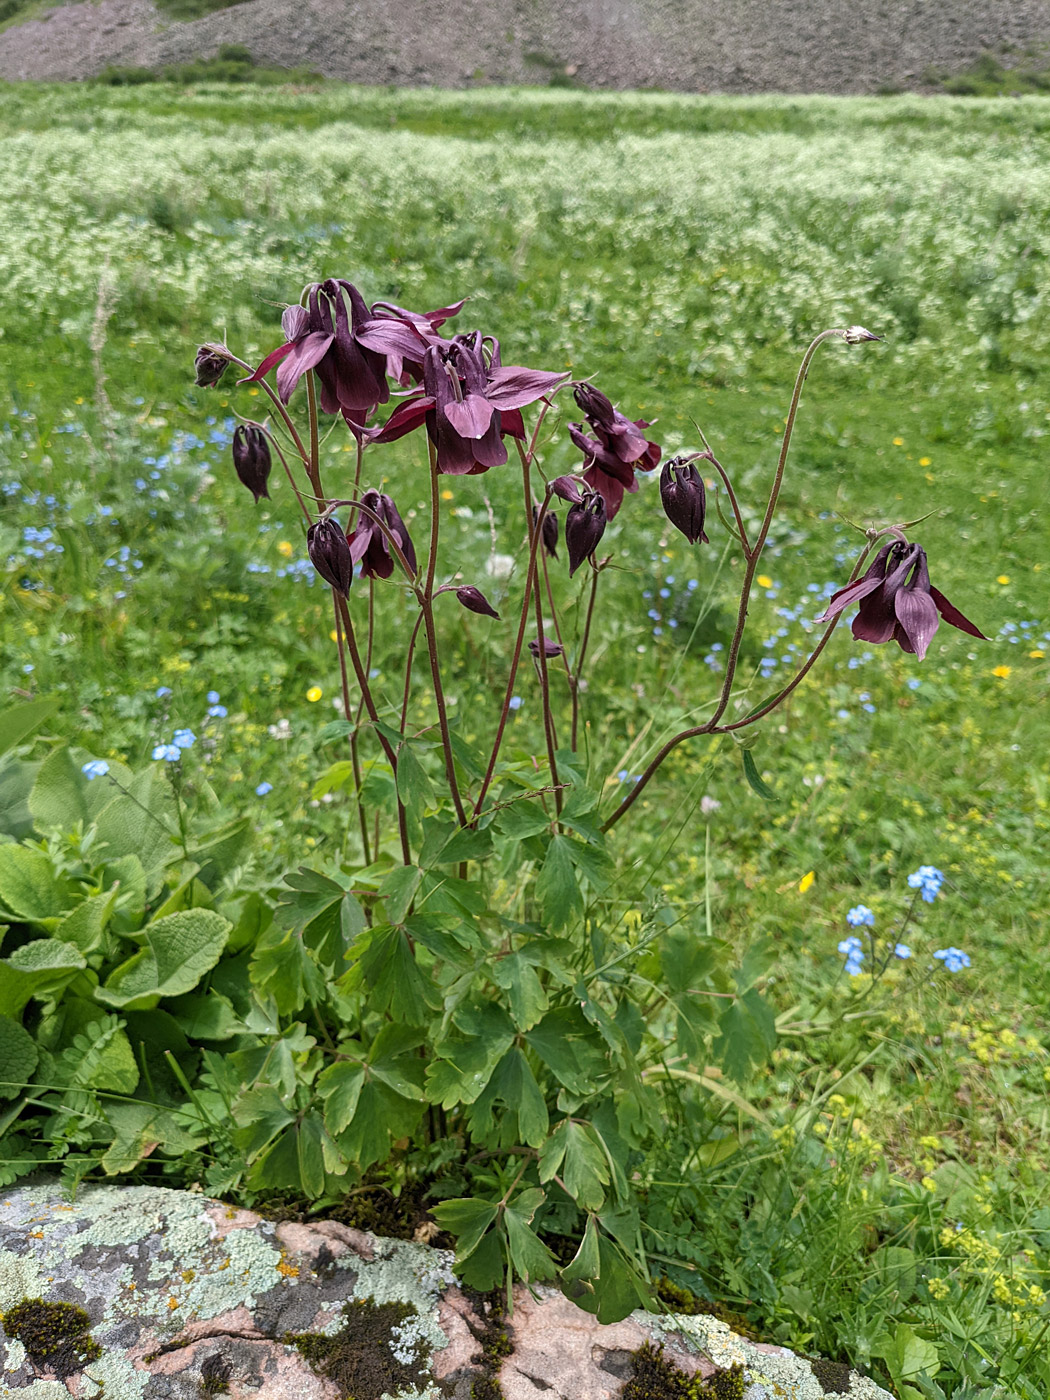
473	599
330	554
584	527
684	498
569	489
853	335
251	458
549	531
211	364
551	649
594	404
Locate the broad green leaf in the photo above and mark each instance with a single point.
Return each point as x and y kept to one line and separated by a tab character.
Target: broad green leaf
310	1152
86	926
284	968
16	783
556	887
386	966
413	786
18	1057
399	890
525	995
178	951
101	1057
219	853
585	1263
29	887
57	799
574	1152
619	1289
130	908
380	1118
142	822
334	779
531	1258
260	1115
393	1061
467	1219
340	1087
18	722
466	844
486	1267
747	1035
333	730
208	1017
139	1129
593	862
323	911
524	1118
38	969
565	1044
521	819
463	1071
906	1354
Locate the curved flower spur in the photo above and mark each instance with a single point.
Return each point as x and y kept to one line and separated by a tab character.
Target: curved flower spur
897	601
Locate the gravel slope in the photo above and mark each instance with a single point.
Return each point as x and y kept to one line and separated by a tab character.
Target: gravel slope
836	46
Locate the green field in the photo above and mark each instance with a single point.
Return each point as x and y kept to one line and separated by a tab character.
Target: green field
681	252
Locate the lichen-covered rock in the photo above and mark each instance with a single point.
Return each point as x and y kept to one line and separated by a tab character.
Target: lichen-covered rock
184	1298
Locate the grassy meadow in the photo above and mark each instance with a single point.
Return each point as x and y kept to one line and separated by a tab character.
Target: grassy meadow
894	1212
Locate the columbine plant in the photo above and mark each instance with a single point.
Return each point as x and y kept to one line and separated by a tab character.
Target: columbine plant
467	973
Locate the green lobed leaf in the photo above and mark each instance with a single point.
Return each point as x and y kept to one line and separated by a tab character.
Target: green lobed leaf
574	1151
284	968
526	997
531	1258
467	1219
413	786
747	1035
556	888
399	890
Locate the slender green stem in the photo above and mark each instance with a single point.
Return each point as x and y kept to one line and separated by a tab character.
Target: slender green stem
582	656
355	758
426	603
408	672
516	657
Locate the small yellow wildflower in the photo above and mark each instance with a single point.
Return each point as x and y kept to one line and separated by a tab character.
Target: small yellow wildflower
764	581
1004	579
1003	672
806	882
446	495
334	635
898	442
928	1184
286	549
924	461
938	1288
1037	655
932	1142
314	694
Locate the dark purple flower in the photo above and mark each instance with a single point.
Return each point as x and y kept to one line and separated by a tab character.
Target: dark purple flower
473	599
551	649
330	554
211	364
684	498
618	448
251	458
469	402
897	601
402	336
584	527
368	543
323	335
549	531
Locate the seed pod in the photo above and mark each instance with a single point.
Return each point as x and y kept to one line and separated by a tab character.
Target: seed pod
584	527
473	599
211	364
251	459
330	554
684	498
549	532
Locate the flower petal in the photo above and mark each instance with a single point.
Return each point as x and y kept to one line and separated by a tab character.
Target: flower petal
405	419
306	353
470	416
917	616
513	386
951	614
273	358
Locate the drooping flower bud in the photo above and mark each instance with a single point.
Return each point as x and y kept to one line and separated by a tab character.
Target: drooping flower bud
473	599
854	335
584	527
549	531
684	498
330	554
211	364
594	404
370	544
551	649
251	458
569	488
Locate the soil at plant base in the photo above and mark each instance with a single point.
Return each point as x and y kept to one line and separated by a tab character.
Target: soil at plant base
744	46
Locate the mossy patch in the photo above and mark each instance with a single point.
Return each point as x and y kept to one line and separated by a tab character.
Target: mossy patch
376	1352
55	1335
833	1377
215	1375
689	1304
656	1378
495	1343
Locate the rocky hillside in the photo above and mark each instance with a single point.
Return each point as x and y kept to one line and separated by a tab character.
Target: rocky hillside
834	46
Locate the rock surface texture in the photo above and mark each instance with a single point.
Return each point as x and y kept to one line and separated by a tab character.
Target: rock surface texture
187	1297
836	46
